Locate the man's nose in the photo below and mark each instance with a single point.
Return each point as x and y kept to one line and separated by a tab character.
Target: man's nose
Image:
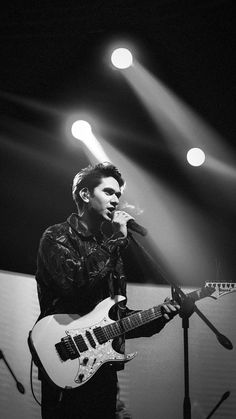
114	200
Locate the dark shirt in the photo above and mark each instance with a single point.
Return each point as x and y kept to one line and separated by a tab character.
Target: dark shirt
76	270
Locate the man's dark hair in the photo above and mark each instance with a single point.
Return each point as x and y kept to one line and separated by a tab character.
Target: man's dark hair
90	177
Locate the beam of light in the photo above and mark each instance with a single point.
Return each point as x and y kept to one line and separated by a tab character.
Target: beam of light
183	128
33	104
31	154
82	131
180	238
121	58
196	157
220	168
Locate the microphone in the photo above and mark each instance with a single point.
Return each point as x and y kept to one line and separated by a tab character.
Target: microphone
132	225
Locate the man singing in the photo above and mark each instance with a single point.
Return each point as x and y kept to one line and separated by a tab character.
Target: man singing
80	263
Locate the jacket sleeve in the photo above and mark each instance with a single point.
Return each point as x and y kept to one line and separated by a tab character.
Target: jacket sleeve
68	269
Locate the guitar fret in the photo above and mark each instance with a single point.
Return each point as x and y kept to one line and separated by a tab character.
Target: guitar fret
145	316
126	323
117	328
131	322
112	330
108	331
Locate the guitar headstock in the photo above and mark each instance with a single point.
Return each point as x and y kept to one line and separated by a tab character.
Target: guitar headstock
218	289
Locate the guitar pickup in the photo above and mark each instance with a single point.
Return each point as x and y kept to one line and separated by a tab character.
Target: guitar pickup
90	339
80	343
100	335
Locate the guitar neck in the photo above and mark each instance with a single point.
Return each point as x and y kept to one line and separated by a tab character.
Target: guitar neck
140	318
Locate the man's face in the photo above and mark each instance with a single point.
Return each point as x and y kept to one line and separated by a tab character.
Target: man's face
105	197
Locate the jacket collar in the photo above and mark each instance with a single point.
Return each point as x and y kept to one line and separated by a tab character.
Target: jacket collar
77	225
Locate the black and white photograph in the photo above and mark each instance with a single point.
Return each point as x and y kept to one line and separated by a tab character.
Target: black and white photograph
118	204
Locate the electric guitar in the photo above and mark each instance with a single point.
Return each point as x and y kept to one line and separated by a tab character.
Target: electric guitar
70	349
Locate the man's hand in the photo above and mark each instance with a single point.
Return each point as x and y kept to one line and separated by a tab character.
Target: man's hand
170	308
119	221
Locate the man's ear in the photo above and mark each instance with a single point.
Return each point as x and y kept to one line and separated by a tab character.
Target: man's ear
84	194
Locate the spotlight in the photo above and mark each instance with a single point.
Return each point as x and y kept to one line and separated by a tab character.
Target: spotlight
81	130
121	58
195	157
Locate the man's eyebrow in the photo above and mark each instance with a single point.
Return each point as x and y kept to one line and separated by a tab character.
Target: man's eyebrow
108	189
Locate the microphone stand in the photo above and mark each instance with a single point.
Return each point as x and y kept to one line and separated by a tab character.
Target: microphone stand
223	398
19	386
186	311
187	308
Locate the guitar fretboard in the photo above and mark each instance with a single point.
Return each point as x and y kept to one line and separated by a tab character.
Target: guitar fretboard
132	322
140	318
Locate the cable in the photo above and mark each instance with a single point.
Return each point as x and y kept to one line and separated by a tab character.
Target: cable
31	381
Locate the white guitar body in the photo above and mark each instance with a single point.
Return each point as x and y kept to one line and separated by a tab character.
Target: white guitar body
74	372
70	349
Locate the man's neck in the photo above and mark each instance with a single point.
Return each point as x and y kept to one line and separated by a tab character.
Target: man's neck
91	221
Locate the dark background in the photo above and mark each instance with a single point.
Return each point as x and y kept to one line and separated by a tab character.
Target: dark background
54	63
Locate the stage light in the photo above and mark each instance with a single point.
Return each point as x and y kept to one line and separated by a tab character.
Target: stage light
195	157
121	58
81	130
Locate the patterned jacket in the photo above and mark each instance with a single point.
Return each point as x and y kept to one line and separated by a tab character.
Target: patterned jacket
76	270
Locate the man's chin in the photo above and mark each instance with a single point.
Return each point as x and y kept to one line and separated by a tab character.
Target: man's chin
107	218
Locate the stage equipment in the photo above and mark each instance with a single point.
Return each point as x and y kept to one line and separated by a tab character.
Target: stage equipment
19	386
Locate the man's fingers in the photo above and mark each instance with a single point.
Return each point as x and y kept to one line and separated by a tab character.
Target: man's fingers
121	216
169	308
166	308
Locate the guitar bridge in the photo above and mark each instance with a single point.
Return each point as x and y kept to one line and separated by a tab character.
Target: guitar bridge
66	349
